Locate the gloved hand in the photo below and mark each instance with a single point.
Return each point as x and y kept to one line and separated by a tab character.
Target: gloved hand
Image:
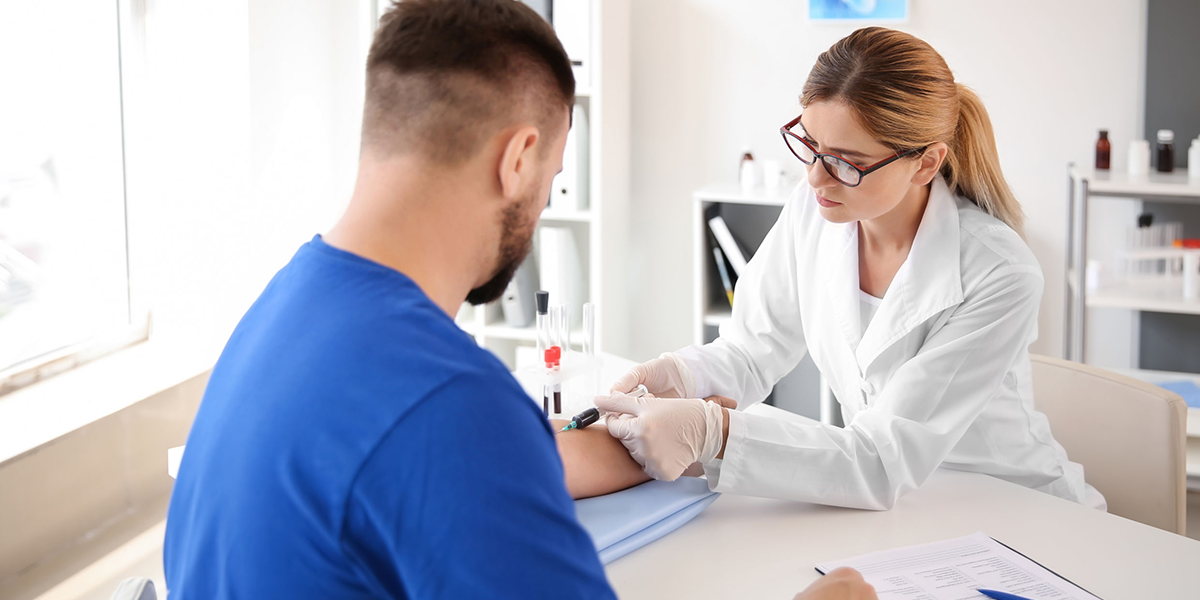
666	377
665	435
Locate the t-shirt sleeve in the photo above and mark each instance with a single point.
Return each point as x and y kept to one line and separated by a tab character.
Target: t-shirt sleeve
465	498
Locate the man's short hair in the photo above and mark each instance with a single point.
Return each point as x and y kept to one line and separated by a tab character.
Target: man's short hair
443	76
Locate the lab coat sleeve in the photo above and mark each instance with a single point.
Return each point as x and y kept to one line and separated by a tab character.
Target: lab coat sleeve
764	339
891	447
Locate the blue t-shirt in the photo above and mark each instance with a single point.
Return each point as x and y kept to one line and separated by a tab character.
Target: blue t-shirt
354	443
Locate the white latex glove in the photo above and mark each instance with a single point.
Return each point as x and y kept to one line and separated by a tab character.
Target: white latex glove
665	435
666	377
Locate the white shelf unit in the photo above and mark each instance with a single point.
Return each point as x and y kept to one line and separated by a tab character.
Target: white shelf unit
711	308
601	229
709	313
1084	185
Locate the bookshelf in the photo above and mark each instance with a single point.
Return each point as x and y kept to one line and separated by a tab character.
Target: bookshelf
749	214
599	229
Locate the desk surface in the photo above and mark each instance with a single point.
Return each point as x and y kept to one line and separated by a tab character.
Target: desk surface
743	547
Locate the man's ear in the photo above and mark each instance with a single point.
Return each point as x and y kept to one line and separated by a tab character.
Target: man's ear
516	162
931	162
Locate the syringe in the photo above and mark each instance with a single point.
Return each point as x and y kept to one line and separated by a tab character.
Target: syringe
592	415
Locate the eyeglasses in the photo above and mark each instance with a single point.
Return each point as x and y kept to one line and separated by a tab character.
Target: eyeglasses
846	172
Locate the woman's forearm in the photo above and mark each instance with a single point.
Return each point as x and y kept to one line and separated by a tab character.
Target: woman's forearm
594	462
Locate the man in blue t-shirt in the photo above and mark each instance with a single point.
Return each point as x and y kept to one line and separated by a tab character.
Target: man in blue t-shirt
353	442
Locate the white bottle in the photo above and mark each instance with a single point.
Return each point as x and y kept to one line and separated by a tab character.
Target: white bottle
1194	159
1139	157
748	174
1191	275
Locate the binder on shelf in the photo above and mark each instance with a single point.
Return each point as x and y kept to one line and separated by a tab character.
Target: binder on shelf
724	274
517	301
569	191
733	252
572	22
561	269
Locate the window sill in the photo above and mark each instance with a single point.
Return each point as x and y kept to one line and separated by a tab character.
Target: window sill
43	412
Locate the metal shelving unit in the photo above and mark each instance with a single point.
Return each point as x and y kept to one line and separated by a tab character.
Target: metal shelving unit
1087	184
1156	187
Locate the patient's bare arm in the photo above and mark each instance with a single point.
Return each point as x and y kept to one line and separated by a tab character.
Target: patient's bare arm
594	462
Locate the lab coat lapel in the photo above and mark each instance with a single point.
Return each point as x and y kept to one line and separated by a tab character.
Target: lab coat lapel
928	282
839	256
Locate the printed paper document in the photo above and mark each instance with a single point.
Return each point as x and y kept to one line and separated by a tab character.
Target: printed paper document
954	569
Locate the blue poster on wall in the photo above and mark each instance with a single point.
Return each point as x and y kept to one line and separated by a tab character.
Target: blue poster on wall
875	11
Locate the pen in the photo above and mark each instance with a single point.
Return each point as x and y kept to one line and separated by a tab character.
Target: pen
592	415
1000	595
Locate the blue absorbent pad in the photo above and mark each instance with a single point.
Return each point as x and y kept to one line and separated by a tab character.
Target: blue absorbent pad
624	521
1186	388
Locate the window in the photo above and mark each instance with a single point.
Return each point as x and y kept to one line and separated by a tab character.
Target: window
64	285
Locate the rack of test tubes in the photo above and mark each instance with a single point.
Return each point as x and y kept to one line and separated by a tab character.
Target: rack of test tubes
568	379
1158	257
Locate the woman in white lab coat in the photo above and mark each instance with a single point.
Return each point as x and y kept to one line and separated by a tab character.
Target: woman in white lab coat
899	266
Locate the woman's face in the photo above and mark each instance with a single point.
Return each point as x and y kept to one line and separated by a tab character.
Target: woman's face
831	127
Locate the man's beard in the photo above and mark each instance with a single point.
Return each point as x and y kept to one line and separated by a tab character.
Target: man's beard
516	240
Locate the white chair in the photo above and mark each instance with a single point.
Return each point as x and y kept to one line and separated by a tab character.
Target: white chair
1130	436
135	588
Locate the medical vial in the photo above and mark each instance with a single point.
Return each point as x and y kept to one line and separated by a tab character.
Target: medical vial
589	329
557	350
541	323
1103	151
564	343
544	342
747	172
1166	151
1193	160
564	329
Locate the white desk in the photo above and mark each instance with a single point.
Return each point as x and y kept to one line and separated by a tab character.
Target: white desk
743	547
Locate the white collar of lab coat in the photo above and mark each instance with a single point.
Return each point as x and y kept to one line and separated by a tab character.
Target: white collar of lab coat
928	282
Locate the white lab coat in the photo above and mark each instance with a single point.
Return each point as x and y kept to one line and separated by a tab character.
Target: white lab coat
940	377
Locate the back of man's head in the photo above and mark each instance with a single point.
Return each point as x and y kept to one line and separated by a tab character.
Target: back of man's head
444	76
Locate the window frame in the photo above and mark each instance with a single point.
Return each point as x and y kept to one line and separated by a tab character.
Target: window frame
137	328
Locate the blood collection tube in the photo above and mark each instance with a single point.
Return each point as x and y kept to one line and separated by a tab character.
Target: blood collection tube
589	329
557	319
544	342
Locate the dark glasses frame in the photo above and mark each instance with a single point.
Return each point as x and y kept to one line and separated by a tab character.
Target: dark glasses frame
786	131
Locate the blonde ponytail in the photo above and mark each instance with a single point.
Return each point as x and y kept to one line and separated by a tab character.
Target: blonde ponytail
972	169
906	98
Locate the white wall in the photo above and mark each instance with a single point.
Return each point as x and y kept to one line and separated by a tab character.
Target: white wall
712	76
243	142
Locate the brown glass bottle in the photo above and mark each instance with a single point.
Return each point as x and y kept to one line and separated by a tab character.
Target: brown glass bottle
1103	150
1166	151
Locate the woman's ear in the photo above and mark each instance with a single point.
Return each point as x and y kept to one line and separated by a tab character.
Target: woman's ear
931	163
